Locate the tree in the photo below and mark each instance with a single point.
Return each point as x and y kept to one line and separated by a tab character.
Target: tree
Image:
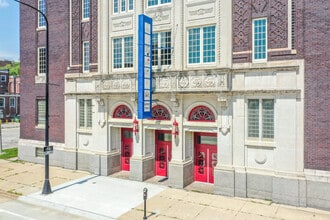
14	68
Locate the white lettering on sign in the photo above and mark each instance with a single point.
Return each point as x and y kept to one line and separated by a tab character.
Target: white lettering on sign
147	107
146	84
147	28
147	72
146	95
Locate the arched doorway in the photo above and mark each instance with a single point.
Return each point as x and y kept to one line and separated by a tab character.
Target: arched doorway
205	146
122	111
163	142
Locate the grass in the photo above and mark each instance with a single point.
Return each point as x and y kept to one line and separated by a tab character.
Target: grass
9	153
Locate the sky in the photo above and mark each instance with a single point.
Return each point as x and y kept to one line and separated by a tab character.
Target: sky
9	30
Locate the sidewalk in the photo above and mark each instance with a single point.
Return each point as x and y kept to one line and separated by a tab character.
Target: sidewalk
99	197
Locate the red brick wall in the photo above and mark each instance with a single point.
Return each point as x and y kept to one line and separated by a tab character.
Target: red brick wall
84	31
317	84
276	12
58	18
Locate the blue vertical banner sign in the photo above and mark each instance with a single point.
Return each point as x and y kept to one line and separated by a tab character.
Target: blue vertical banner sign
144	67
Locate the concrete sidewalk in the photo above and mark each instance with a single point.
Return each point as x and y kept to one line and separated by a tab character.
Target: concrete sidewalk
97	197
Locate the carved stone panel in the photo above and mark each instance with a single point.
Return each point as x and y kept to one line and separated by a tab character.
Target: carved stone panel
160	16
122	23
201	11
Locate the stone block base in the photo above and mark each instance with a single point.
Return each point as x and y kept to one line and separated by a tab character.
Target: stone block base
141	168
180	174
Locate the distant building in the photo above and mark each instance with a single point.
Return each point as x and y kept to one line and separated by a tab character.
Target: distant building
9	96
240	93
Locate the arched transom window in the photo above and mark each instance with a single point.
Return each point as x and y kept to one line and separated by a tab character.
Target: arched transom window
201	113
159	112
122	111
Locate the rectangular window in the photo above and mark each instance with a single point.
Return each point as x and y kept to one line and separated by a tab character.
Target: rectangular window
42	8
201	45
261	118
115	6
3	78
85	113
2	102
122	6
42	60
161	49
12	102
86	53
260	39
157	2
123	52
85	9
41	112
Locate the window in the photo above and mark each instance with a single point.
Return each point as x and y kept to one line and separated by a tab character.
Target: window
41	112
3	78
201	45
12	102
86	57
42	8
261	118
161	49
260	39
201	113
42	60
157	2
123	5
85	113
2	102
85	9
123	52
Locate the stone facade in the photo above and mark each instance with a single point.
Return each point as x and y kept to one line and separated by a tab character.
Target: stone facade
268	168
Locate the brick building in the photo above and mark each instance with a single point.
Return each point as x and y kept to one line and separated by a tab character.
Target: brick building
9	96
240	93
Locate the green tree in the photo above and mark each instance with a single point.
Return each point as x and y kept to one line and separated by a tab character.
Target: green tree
14	68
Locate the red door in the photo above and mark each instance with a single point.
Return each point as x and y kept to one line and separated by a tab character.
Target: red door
163	151
126	147
205	156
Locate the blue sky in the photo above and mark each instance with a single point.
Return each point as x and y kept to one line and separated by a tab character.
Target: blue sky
9	30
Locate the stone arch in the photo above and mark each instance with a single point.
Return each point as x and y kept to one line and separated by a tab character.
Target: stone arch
160	112
201	113
122	111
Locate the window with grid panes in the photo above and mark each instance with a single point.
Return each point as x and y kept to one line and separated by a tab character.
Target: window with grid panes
86	54
123	52
261	118
201	45
42	8
85	113
161	49
2	102
41	112
12	102
260	39
122	6
42	60
86	8
158	2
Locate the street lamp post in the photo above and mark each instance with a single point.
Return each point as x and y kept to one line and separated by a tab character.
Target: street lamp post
46	188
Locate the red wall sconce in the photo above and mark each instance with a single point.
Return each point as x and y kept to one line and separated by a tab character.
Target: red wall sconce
175	128
135	126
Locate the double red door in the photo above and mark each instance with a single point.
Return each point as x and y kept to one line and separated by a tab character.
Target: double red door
163	152
205	156
126	147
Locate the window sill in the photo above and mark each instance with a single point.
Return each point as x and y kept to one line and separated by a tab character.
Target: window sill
40	127
43	28
85	20
260	143
85	130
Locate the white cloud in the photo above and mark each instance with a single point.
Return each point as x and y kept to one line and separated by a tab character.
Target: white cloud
4	4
